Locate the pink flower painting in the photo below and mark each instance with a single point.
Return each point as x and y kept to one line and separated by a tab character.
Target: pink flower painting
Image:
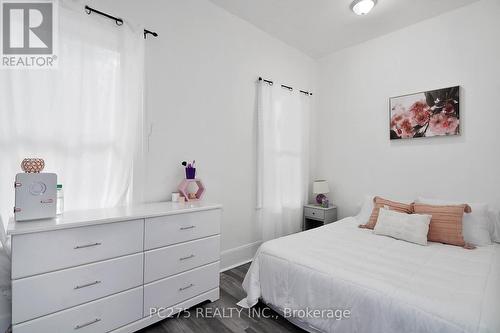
427	114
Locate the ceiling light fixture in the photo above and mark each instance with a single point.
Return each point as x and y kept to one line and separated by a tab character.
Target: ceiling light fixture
363	7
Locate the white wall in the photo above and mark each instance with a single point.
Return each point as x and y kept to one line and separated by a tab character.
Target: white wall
458	48
201	75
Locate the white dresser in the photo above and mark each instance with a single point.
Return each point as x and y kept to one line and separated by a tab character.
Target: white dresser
113	270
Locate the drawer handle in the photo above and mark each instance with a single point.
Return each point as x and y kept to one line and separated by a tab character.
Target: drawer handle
77	327
186	287
87	245
187	228
186	258
87	285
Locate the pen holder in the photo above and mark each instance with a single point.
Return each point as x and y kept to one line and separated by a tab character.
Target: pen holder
190	173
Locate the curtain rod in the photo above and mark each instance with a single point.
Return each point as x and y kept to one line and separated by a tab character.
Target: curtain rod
118	21
284	86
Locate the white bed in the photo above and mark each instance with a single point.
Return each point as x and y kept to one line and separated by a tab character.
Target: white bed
5	284
5	292
388	285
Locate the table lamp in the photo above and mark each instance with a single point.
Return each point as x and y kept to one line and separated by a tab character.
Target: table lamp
320	187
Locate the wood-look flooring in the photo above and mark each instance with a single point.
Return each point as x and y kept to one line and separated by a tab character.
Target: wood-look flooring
219	319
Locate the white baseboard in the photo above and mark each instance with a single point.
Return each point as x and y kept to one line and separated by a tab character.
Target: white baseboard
238	256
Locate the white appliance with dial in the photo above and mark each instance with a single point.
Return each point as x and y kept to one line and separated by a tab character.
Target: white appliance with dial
36	196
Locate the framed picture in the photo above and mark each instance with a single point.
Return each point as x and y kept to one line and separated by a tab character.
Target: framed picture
425	114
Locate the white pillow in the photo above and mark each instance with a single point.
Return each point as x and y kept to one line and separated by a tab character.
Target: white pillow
476	226
408	227
366	210
495	225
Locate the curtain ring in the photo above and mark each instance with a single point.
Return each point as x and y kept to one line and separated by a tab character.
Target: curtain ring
87	10
119	22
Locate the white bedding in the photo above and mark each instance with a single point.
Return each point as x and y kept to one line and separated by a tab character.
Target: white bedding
387	284
5	291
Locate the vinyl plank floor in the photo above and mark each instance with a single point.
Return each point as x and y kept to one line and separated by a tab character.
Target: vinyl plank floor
230	293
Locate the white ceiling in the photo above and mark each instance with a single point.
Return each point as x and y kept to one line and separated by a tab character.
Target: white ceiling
320	27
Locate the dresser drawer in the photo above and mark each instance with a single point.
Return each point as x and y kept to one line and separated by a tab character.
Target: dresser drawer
172	229
52	250
314	213
173	290
47	293
99	316
166	261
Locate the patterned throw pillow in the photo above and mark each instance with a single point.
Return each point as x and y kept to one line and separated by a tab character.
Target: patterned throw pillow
446	222
378	203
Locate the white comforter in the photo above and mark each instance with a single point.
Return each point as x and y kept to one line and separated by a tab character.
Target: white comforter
388	285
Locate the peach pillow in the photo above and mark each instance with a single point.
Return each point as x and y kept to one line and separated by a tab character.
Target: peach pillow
446	222
378	203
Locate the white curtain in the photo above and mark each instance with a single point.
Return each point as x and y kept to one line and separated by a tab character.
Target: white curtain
85	118
282	158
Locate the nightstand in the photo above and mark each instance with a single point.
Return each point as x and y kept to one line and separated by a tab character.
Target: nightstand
317	216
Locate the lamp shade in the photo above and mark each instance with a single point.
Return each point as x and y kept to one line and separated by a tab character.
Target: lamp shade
321	187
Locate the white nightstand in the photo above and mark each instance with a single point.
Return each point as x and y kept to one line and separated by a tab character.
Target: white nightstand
317	216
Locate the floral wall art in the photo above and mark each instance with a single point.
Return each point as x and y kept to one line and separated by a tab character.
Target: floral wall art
426	114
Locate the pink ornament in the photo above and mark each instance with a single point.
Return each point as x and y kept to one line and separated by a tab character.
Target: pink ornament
183	189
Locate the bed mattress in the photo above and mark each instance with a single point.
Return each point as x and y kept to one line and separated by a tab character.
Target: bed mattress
386	285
